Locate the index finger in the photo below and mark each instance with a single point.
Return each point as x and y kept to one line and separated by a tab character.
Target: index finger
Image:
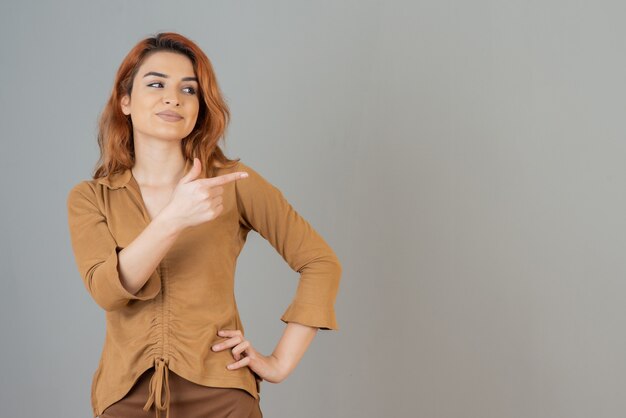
225	178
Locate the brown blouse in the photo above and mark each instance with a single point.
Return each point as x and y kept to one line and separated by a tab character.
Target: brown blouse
172	321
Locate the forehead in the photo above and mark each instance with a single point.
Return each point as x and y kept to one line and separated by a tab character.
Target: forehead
171	63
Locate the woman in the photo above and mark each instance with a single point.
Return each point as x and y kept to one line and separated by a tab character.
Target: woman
156	234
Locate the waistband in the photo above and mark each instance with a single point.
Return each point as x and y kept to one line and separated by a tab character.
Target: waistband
160	376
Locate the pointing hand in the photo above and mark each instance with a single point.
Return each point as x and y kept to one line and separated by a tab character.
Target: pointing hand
198	200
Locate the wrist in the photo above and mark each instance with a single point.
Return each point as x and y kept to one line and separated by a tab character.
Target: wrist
169	226
282	365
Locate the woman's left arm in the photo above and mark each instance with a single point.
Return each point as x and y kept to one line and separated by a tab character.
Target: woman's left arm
263	207
277	366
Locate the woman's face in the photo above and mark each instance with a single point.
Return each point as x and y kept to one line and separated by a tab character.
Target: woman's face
165	81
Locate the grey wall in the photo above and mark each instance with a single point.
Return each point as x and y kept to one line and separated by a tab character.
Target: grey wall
464	159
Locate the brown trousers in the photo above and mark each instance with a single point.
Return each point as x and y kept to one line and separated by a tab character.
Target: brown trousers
187	400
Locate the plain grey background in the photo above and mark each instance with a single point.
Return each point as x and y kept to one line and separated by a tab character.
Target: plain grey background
465	160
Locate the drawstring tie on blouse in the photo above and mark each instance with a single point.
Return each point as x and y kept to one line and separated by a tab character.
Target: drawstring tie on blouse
156	388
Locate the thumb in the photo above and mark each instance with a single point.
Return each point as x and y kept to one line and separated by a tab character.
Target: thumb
193	174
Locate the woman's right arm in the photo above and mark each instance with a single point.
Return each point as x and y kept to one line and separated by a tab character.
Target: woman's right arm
114	275
141	257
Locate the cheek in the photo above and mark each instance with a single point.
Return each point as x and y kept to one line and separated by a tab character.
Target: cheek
142	115
140	120
142	105
195	112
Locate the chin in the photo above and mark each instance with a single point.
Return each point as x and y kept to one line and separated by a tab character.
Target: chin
170	135
167	138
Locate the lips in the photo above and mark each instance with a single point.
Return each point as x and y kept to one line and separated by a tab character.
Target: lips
170	116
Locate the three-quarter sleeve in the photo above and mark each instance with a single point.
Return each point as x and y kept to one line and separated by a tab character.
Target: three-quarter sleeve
96	252
263	208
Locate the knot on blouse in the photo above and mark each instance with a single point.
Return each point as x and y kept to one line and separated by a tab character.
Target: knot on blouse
161	373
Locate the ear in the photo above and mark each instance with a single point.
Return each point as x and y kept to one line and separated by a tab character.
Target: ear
125	104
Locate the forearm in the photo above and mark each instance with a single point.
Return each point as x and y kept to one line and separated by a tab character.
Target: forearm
293	344
141	257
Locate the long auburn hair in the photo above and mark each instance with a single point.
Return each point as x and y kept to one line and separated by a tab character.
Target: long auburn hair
115	129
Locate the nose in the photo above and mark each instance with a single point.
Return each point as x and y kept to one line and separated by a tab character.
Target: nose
170	97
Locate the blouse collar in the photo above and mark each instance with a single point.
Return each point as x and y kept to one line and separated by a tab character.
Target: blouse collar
116	180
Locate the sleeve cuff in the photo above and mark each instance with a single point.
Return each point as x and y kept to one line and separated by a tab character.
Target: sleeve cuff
311	315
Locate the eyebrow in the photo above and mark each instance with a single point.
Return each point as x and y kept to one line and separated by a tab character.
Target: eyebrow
166	76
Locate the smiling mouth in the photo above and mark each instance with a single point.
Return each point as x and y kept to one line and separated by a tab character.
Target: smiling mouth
170	118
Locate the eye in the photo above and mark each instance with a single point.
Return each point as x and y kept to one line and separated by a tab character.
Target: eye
192	90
